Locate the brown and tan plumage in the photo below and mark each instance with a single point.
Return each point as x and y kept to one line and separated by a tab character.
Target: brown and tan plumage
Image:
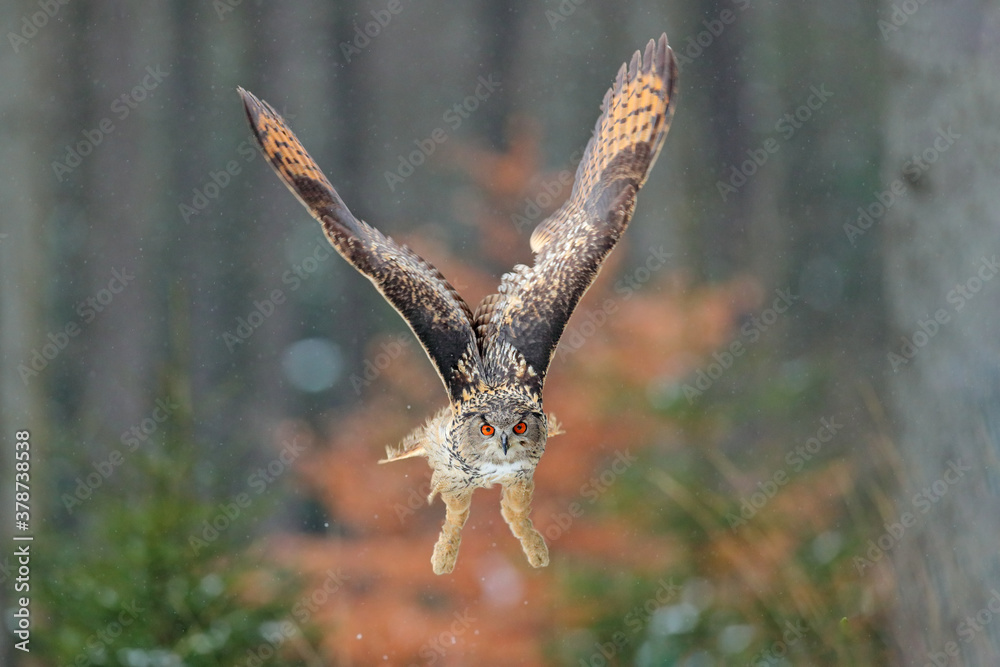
493	362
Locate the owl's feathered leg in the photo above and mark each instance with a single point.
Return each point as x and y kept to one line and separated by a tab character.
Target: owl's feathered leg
446	549
515	505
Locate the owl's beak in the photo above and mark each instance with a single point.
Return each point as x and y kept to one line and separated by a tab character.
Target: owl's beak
503	443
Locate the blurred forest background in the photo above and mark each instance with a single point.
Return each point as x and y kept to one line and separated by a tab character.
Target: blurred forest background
781	398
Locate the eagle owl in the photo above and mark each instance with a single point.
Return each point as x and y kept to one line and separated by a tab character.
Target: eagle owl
493	360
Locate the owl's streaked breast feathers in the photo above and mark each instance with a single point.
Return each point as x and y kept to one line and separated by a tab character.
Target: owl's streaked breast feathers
493	362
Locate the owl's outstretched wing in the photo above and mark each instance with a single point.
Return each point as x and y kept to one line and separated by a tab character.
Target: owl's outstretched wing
534	303
438	316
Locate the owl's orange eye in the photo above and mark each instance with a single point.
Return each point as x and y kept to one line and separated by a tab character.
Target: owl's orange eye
520	428
487	430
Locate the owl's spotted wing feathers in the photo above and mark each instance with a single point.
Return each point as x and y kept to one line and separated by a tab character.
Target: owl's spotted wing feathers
627	138
439	317
534	303
482	318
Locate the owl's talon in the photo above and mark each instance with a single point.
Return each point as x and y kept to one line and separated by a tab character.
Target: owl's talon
535	549
515	506
444	558
446	549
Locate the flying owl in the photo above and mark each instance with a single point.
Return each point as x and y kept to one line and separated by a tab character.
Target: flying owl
493	360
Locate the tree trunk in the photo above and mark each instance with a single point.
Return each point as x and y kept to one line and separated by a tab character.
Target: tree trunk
942	239
27	194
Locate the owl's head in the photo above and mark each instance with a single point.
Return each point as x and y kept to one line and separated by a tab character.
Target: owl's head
501	430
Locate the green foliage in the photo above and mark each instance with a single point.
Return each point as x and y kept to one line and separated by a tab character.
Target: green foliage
140	579
777	583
